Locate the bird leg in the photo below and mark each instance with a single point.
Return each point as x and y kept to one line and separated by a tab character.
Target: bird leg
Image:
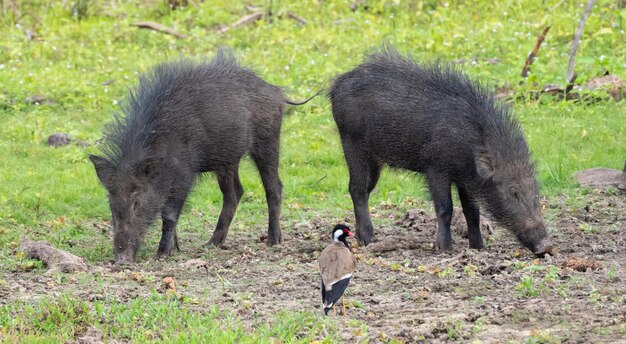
343	306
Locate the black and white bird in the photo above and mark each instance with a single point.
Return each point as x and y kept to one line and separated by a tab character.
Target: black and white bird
336	267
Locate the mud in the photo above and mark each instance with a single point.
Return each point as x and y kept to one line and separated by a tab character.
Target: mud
405	290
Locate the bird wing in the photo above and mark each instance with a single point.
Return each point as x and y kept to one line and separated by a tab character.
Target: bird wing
336	263
330	297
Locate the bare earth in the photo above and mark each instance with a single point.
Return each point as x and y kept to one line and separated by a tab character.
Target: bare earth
404	291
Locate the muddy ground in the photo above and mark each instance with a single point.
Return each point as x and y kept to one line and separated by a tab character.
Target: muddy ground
407	292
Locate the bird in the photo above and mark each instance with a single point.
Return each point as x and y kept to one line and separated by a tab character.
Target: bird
336	264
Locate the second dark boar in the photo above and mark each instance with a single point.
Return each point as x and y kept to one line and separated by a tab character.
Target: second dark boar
183	119
434	120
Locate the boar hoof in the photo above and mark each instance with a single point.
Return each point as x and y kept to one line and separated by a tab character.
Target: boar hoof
166	249
365	239
214	244
274	240
477	246
163	254
442	246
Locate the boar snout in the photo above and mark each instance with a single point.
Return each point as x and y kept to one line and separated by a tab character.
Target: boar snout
124	258
543	247
534	237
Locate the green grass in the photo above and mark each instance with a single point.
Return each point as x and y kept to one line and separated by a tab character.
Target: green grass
155	319
83	61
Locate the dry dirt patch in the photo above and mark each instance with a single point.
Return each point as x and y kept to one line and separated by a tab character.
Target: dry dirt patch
401	289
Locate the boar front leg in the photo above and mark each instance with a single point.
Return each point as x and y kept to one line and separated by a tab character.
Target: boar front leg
170	214
439	185
472	216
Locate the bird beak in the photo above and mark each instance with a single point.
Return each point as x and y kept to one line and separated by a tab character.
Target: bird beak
349	233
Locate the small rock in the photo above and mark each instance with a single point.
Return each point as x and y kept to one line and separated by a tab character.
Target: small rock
195	264
92	336
58	140
598	177
611	84
547	258
37	99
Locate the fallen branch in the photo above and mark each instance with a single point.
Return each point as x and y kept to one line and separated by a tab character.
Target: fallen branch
533	54
296	18
571	75
55	259
247	19
159	28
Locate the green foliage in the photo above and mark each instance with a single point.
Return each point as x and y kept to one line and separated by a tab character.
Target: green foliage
81	9
454	330
532	285
541	337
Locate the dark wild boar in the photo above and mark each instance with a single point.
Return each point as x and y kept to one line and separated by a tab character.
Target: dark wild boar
432	119
183	119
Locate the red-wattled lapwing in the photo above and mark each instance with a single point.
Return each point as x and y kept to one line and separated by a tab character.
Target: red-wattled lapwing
336	267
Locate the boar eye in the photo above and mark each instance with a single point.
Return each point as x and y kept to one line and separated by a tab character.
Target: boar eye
134	206
516	195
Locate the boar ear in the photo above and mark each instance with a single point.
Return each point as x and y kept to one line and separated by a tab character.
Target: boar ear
150	168
104	168
484	164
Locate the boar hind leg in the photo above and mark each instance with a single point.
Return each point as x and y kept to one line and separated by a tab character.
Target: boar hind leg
439	186
472	216
267	163
170	214
232	191
362	181
373	177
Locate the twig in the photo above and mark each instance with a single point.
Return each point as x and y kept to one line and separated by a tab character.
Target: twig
571	75
252	8
296	18
159	28
533	54
317	181
446	261
250	18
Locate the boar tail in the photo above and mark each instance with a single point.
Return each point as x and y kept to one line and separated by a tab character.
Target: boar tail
290	102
